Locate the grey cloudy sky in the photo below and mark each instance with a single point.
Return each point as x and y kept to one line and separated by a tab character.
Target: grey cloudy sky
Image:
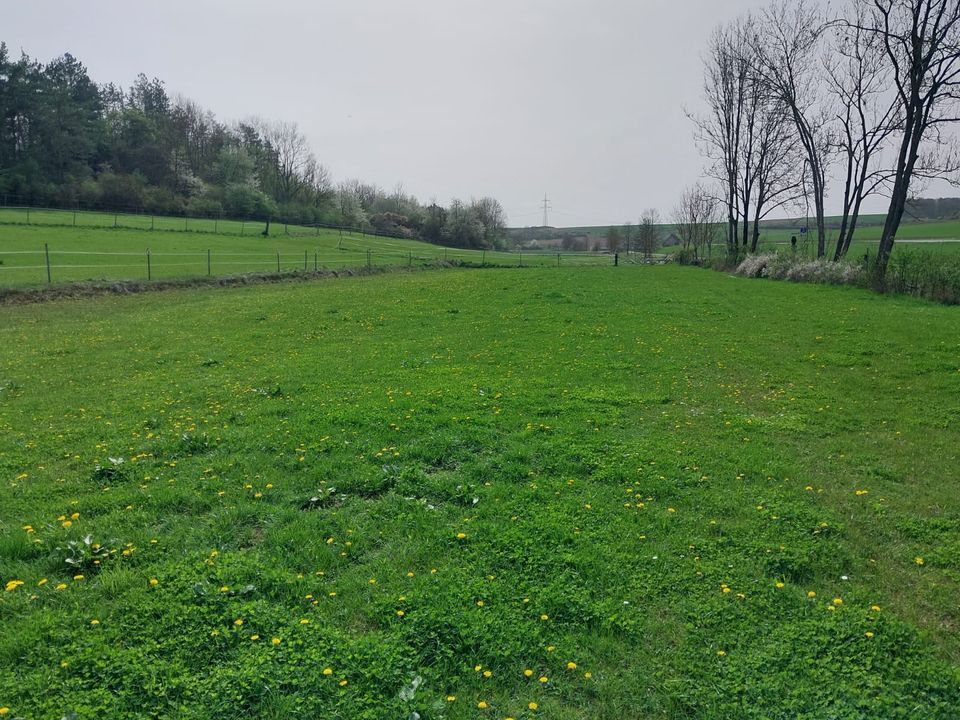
455	98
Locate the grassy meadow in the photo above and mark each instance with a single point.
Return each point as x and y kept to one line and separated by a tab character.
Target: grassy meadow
94	250
635	492
928	236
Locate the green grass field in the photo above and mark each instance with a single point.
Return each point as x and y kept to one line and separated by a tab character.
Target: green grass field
95	250
937	237
542	493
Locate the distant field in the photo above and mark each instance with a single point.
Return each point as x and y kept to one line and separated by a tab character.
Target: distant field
778	232
634	493
94	250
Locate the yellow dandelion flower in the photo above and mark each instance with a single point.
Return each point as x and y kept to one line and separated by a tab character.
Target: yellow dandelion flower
238	622
544	617
488	673
482	705
343	682
94	622
461	536
811	594
868	634
571	665
588	675
781	584
528	673
451	698
13	585
304	621
254	637
532	705
275	641
721	653
61	586
838	601
154	582
543	679
918	560
41	582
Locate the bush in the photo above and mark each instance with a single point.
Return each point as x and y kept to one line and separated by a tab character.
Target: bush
204	207
789	267
686	257
161	201
909	272
122	191
924	274
754	266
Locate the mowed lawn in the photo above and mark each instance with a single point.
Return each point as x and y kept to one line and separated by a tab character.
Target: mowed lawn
528	493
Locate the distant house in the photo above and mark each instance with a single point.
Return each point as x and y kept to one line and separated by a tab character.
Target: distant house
671	240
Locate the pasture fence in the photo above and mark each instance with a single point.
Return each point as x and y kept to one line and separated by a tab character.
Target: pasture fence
19	210
48	265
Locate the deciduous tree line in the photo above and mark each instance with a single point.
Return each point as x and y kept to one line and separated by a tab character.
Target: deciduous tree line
800	94
69	142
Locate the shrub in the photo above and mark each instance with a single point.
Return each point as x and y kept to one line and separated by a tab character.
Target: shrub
754	266
924	274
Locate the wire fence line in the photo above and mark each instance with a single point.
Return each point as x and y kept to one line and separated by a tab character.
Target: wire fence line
355	247
14	210
50	265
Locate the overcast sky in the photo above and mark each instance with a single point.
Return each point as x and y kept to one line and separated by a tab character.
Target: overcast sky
581	100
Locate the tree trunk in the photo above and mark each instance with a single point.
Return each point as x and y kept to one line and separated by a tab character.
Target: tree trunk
821	225
906	161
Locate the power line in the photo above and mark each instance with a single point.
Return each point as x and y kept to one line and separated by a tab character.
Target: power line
546	206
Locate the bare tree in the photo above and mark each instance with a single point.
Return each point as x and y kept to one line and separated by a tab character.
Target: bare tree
614	239
648	233
771	163
629	236
295	169
747	134
921	41
348	204
720	131
697	222
867	112
790	48
492	217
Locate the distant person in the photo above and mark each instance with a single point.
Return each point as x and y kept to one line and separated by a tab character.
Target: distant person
793	243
